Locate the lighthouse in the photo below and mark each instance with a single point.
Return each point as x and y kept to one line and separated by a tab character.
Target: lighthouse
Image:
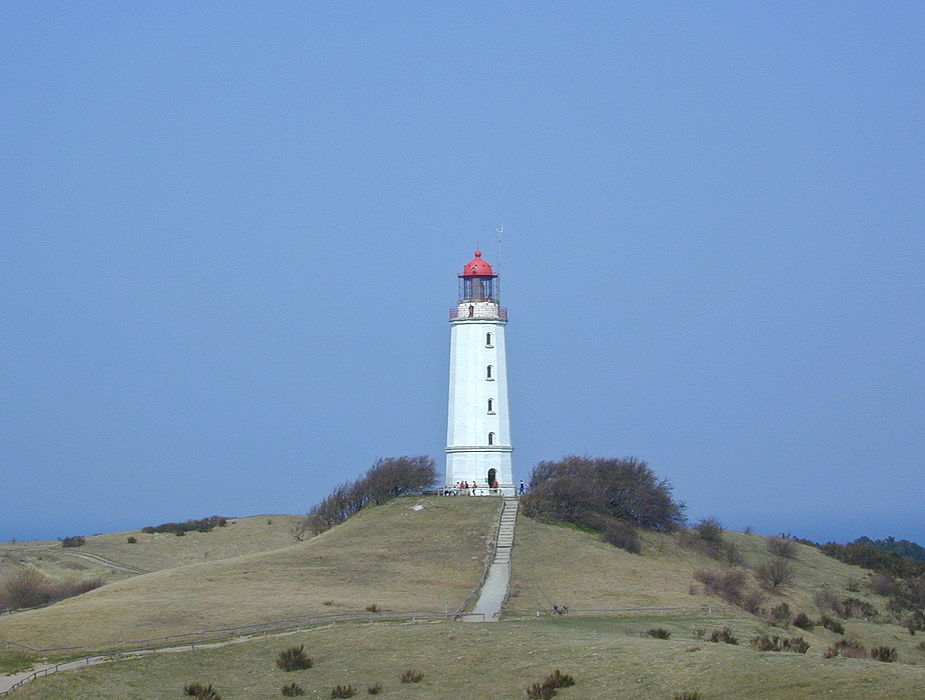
478	431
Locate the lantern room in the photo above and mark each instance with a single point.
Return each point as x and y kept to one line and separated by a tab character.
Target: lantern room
478	282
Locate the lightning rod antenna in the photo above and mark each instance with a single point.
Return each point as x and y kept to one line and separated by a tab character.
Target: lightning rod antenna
500	230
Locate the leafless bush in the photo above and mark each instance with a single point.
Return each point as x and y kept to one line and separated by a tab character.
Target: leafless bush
881	584
779	615
728	585
28	587
774	573
780	547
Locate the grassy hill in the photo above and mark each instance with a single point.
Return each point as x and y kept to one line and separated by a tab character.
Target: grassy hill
429	554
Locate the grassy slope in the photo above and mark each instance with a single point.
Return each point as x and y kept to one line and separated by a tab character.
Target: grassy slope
380	555
394	556
462	661
152	552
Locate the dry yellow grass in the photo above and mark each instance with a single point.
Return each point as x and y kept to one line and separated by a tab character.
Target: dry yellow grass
460	661
410	554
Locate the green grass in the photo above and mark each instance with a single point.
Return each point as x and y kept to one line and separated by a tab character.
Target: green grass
462	661
12	661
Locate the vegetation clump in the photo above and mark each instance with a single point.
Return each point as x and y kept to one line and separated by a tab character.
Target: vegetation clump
374	689
203	525
77	541
849	648
658	633
547	688
774	573
831	624
412	676
343	691
385	480
293	659
593	492
292	690
28	587
724	635
765	642
885	654
201	692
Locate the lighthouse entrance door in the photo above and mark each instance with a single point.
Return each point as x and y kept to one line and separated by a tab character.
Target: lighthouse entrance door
491	477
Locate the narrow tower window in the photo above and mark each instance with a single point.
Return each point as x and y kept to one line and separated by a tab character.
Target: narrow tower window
488	374
488	341
491	438
491	405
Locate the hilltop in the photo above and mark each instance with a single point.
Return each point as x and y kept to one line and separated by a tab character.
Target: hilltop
429	554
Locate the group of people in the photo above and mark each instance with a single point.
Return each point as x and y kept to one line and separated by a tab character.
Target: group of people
466	486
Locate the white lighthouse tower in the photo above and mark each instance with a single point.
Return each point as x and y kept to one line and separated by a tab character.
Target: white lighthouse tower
478	431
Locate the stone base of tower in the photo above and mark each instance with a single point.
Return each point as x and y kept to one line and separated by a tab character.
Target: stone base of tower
480	466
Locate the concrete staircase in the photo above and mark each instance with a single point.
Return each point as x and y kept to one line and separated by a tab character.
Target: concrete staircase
495	589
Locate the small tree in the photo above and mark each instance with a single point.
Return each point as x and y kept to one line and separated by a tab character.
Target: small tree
774	573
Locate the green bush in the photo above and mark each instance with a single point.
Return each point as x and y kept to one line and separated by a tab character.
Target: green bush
293	659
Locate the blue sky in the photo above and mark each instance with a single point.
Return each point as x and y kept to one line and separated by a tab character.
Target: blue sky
230	236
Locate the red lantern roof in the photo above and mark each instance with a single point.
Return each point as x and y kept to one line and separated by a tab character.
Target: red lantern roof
477	267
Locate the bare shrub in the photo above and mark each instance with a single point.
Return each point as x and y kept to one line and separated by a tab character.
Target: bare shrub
373	608
619	489
374	689
728	585
201	692
658	633
781	547
764	642
796	645
28	587
752	600
687	695
885	654
710	530
132	540
385	480
853	584
881	584
827	600
831	624
849	648
779	615
412	676
803	622
78	541
774	573
724	635
855	607
294	659
292	690
624	536
343	691
538	691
